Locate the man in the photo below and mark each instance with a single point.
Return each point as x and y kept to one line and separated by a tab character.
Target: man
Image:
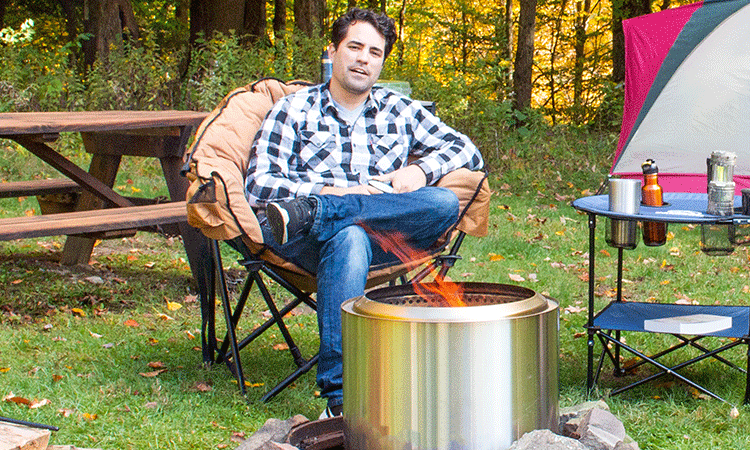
316	160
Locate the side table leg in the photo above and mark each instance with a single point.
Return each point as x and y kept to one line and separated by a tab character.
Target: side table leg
592	286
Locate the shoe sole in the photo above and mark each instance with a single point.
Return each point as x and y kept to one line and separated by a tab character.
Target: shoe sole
278	218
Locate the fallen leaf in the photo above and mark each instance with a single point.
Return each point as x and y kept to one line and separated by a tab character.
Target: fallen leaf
131	323
16	281
153	374
149	265
65	412
495	257
78	311
516	277
56	377
282	346
734	413
10	398
88	416
173	306
202	386
4	369
157	365
95	335
39	403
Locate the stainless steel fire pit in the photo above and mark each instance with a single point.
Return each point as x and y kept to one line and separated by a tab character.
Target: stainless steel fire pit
421	375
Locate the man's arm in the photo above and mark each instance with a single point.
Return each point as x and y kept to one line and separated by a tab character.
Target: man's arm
439	148
272	156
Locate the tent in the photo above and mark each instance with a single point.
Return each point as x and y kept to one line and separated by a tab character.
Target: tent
687	93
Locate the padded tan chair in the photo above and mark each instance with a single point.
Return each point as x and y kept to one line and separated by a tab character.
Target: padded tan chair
216	166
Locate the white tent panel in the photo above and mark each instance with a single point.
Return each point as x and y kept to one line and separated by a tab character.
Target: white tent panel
704	107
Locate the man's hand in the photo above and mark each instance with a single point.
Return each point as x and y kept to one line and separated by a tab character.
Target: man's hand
363	189
405	179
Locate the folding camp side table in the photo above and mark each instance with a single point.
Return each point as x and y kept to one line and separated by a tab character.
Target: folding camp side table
620	316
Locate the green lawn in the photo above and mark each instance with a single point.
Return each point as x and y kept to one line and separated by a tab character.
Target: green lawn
110	352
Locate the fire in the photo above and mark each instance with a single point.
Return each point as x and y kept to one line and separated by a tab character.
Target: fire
443	291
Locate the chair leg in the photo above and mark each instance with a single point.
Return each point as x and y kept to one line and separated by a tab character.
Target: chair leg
231	332
230	347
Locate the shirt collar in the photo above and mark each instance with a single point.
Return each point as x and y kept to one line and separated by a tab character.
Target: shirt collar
376	99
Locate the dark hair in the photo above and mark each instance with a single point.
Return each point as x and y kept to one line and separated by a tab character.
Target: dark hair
384	24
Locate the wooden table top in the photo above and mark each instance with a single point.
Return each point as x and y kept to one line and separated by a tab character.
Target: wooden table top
83	121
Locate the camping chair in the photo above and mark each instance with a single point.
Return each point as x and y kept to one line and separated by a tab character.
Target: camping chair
216	165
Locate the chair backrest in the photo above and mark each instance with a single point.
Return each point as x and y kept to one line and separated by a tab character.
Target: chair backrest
218	159
219	156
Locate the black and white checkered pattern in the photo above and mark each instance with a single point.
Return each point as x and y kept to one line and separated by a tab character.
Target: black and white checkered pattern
303	145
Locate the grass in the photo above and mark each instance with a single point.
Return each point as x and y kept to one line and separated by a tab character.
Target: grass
94	341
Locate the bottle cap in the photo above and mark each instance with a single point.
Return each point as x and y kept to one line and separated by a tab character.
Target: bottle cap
649	167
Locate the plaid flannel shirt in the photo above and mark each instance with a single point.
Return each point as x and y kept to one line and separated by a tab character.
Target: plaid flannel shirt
303	145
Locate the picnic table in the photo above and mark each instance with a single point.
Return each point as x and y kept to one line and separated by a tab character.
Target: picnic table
99	211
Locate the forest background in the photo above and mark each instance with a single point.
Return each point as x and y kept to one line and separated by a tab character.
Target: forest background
489	66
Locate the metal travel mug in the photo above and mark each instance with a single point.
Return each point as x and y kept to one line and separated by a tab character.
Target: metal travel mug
624	197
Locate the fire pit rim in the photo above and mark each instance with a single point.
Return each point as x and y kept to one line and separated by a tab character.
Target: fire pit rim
529	303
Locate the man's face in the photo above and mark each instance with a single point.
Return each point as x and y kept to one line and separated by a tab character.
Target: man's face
358	60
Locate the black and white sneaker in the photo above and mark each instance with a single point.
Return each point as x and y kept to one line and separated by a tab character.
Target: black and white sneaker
331	411
290	219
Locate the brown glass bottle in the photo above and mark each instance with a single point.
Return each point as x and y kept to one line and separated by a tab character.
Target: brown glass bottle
654	233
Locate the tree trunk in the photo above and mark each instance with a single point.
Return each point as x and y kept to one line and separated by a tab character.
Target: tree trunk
308	17
110	22
2	13
553	59
244	17
583	10
401	23
71	18
279	18
621	10
524	55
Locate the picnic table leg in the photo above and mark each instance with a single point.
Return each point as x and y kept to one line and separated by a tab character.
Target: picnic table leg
78	249
198	252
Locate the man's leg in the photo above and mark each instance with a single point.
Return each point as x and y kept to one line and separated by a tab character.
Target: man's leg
421	216
342	273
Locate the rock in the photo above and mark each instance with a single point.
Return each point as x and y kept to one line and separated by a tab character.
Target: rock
578	411
546	440
272	435
601	430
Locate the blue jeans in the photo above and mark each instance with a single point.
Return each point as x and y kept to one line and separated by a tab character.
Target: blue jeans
341	253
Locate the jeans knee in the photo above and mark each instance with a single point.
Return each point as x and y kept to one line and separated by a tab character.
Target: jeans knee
445	202
348	252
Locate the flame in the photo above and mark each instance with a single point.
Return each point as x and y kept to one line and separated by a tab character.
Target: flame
442	291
